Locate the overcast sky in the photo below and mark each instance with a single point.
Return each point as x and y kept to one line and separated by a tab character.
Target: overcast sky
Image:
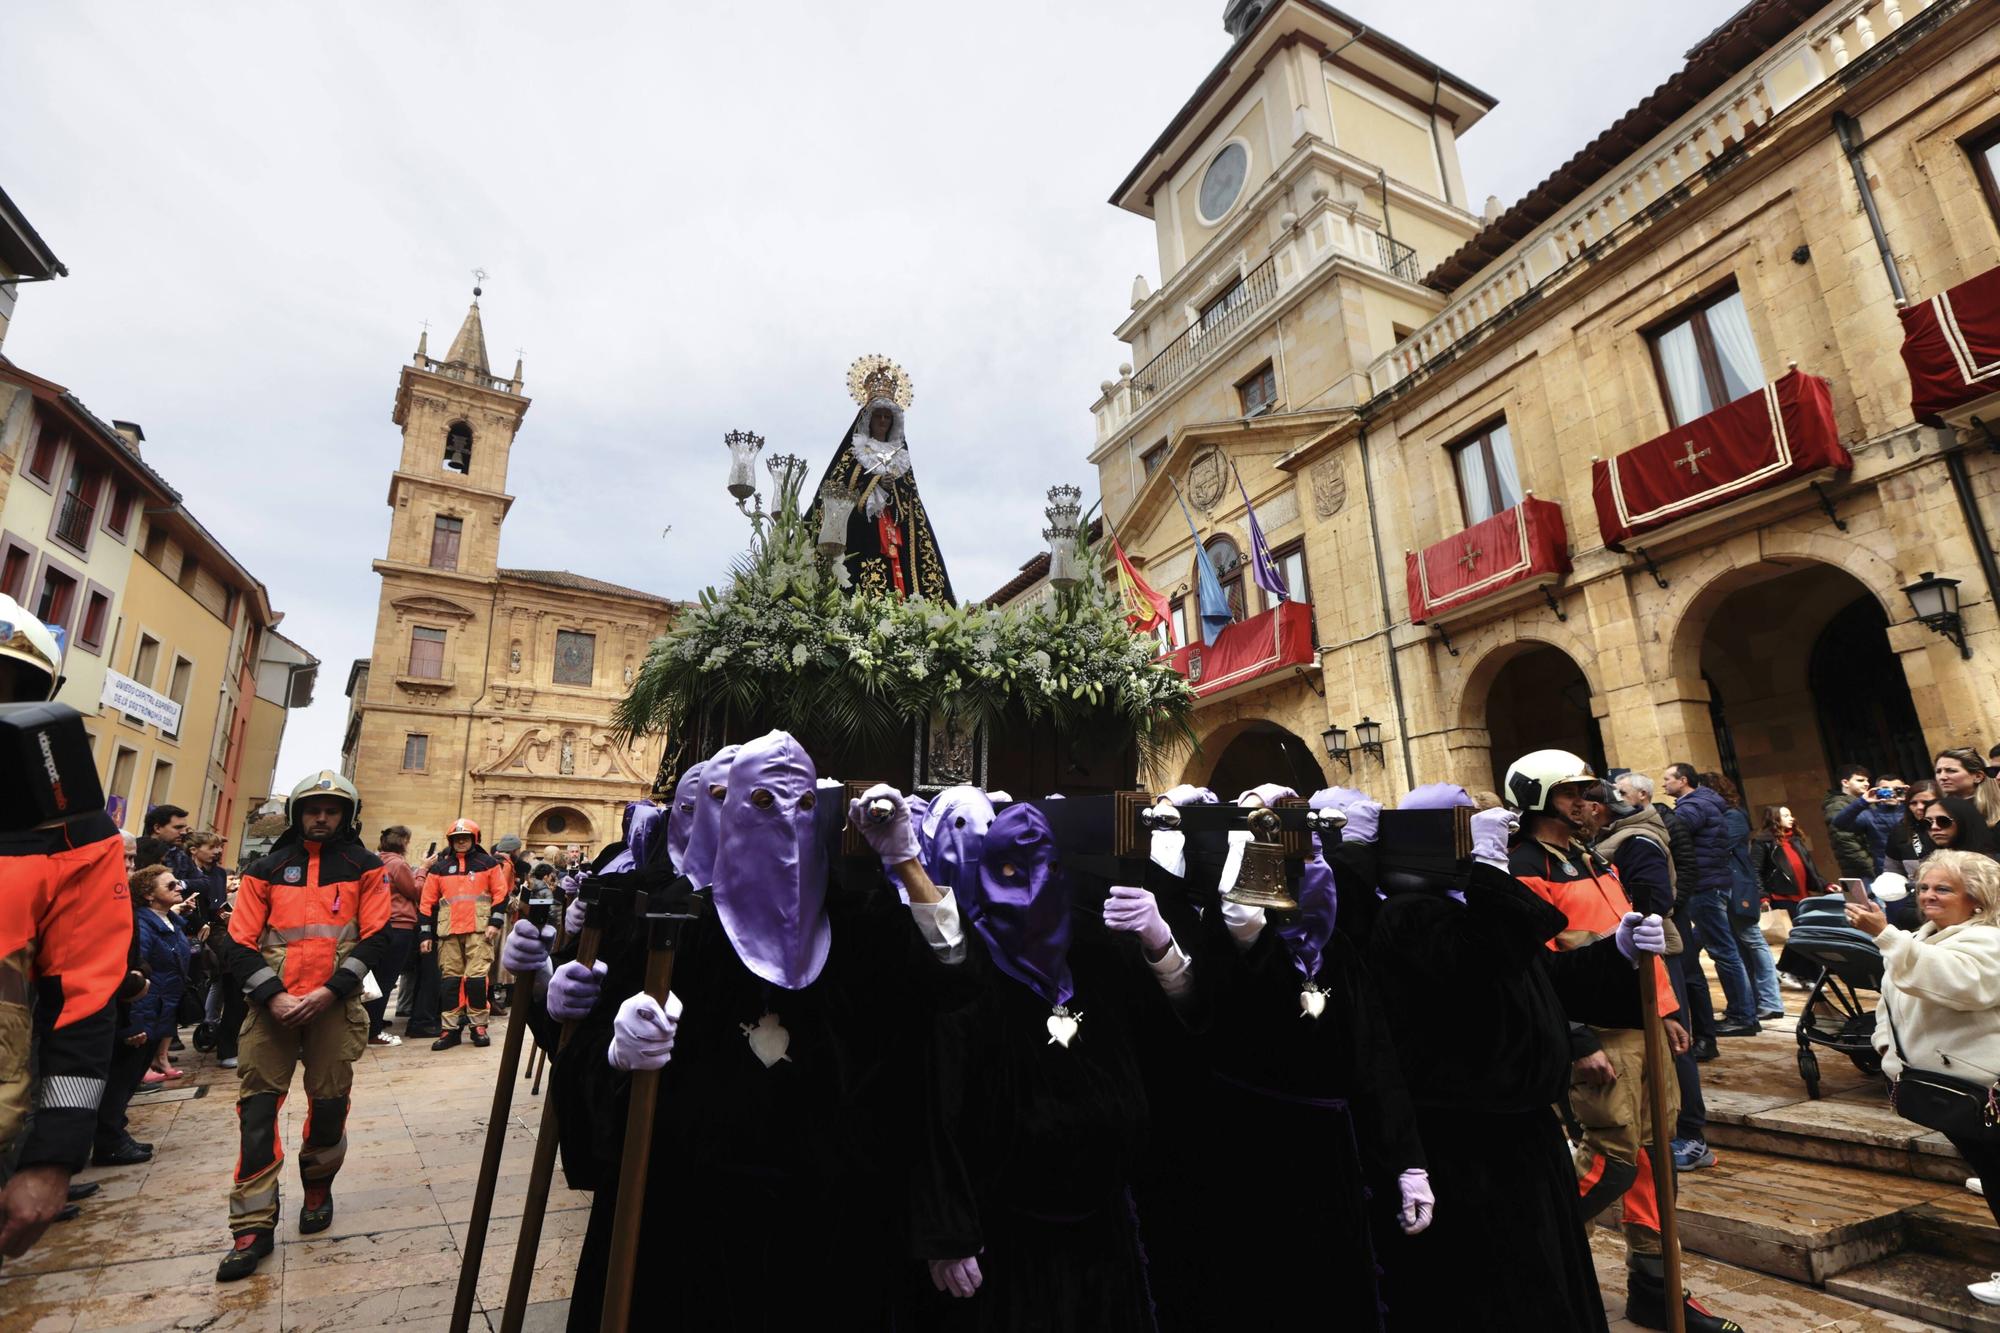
693	218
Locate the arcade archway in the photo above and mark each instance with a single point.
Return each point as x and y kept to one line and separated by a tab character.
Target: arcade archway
1265	752
1539	699
1801	676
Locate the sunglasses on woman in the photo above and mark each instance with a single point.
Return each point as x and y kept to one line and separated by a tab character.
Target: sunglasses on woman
1993	770
1939	821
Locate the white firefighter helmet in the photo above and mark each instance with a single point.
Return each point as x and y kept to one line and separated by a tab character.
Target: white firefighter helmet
326	782
25	640
1533	777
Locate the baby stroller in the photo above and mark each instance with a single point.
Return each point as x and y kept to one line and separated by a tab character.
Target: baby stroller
1840	962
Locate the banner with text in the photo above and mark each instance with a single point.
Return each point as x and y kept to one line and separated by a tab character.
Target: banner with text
131	698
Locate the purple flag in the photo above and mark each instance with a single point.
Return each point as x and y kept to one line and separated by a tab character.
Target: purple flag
1262	567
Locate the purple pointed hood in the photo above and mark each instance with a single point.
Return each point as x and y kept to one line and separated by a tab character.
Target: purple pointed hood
1342	799
642	838
1019	903
770	866
1435	796
705	824
952	833
680	817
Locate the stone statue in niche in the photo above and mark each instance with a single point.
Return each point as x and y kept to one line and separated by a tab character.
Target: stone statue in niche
514	659
566	765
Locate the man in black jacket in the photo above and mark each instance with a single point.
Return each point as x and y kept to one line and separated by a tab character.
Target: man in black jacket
1690	985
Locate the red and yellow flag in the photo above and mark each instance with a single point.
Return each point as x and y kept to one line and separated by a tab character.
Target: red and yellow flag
1144	607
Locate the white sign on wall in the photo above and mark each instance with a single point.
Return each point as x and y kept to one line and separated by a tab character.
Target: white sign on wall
131	698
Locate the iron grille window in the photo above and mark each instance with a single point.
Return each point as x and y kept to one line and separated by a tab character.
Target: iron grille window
576	657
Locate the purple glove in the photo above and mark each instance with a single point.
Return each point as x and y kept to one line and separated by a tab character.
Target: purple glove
574	991
1186	795
1641	934
960	1277
1418	1204
1267	793
1138	912
890	837
1364	821
571	883
526	949
1490	830
642	1036
573	917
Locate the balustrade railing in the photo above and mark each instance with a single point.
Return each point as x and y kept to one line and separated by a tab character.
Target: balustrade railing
1252	293
1396	258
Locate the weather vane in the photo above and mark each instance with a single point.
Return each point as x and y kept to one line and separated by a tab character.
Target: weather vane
478	280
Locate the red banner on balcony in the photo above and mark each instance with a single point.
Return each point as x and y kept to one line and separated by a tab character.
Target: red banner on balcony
1247	651
1756	442
1514	546
1951	346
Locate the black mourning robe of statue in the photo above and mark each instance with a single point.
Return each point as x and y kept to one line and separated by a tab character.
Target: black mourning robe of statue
1032	1147
1480	1007
776	1196
921	561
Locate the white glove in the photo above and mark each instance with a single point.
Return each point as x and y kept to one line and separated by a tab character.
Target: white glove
890	837
1418	1204
960	1277
642	1036
1168	850
573	917
1490	831
1138	912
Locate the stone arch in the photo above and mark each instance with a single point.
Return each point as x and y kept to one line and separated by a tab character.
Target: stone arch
1527	693
1255	745
559	822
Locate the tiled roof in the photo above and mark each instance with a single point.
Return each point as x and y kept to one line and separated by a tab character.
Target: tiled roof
562	578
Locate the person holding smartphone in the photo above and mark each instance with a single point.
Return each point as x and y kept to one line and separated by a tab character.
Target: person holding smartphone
1873	817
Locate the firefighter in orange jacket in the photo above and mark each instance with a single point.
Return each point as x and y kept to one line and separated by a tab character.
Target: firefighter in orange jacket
311	921
464	908
1609	1077
65	926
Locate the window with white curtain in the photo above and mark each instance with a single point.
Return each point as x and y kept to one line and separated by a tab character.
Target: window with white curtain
1707	357
1489	481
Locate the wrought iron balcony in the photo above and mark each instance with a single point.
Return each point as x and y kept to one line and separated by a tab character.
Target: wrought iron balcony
1252	292
73	524
1396	258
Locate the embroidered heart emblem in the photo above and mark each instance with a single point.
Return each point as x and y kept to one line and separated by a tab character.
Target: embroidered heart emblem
1062	1027
1312	1003
768	1040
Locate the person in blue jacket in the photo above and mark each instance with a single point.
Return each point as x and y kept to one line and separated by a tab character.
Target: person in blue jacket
1875	816
164	947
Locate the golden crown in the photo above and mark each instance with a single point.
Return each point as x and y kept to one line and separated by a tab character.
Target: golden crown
875	376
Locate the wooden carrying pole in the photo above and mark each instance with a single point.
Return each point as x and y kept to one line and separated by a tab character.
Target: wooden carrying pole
543	1171
663	935
496	1140
1660	1069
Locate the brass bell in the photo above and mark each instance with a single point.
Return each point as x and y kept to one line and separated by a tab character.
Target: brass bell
1260	881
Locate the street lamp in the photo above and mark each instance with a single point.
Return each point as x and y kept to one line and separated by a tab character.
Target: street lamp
1065	504
1335	738
1935	602
1368	734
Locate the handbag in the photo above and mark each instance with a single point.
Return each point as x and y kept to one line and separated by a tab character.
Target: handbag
1958	1108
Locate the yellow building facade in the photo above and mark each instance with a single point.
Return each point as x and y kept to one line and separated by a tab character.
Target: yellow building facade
489	692
1386	429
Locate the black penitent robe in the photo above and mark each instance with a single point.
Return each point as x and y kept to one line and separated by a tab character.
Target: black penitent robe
1480	1009
1305	1126
1031	1148
775	1196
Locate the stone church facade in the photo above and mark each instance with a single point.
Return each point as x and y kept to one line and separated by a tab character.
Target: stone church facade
488	692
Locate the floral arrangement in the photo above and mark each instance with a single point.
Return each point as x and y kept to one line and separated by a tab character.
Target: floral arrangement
786	643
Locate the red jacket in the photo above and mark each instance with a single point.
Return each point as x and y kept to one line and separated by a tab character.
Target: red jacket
65	938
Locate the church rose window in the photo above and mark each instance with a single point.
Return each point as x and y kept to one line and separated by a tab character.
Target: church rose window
576	657
1223	181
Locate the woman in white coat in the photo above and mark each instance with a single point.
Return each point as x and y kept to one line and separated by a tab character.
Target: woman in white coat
1942	985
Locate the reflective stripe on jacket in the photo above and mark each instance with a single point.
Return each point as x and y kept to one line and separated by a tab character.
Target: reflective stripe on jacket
463	894
301	914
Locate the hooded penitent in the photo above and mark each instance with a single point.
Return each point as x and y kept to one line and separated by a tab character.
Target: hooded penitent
642	838
1435	796
705	824
953	832
770	867
680	816
1306	931
1019	903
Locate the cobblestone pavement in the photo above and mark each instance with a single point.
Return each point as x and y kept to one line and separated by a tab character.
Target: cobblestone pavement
142	1256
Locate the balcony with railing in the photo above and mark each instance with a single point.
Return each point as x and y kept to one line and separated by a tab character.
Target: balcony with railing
1672	169
1252	292
1397	258
73	521
458	370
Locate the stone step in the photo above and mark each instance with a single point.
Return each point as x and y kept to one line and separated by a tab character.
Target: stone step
1919	1286
1855	1129
1798	1219
1957	1225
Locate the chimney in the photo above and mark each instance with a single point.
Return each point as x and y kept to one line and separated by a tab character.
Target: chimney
134	436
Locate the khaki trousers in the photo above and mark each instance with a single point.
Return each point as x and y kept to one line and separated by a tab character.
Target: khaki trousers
1617	1124
462	964
268	1053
